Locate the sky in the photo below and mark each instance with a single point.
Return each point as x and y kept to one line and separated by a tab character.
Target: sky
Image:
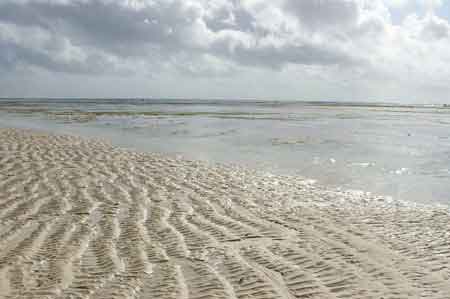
340	50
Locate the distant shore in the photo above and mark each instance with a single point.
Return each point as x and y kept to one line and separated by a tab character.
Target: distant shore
85	219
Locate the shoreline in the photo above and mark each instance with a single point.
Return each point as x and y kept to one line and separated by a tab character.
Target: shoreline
82	217
404	167
349	193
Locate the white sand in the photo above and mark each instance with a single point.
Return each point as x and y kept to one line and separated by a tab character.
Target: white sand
82	219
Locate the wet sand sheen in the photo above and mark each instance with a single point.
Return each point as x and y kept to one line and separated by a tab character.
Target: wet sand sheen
82	219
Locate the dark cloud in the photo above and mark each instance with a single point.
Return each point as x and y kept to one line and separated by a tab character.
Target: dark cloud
107	25
17	56
231	17
216	37
276	57
323	14
159	29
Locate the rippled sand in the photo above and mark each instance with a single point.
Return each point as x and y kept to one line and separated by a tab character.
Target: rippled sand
82	219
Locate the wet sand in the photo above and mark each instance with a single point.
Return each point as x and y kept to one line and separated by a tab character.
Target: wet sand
82	219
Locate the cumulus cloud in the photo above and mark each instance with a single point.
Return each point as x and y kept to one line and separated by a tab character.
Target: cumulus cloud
225	37
134	29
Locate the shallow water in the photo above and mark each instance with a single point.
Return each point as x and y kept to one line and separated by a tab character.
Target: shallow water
398	151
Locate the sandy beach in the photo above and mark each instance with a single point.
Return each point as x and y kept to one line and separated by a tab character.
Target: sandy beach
82	219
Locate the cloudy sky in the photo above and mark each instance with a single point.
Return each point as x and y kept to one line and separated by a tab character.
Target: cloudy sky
372	50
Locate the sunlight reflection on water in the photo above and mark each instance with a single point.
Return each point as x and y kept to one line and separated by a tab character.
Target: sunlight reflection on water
403	152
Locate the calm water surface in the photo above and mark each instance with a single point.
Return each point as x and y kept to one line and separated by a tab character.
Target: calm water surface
391	150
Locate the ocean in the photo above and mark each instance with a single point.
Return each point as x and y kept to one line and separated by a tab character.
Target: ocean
397	151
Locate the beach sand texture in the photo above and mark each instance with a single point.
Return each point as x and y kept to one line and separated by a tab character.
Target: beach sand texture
82	219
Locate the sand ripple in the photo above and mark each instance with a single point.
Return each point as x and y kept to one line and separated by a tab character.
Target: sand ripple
82	219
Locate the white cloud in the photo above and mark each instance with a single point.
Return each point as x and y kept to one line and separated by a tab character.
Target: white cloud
396	3
351	41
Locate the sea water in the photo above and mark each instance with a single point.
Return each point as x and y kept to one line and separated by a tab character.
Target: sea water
392	150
